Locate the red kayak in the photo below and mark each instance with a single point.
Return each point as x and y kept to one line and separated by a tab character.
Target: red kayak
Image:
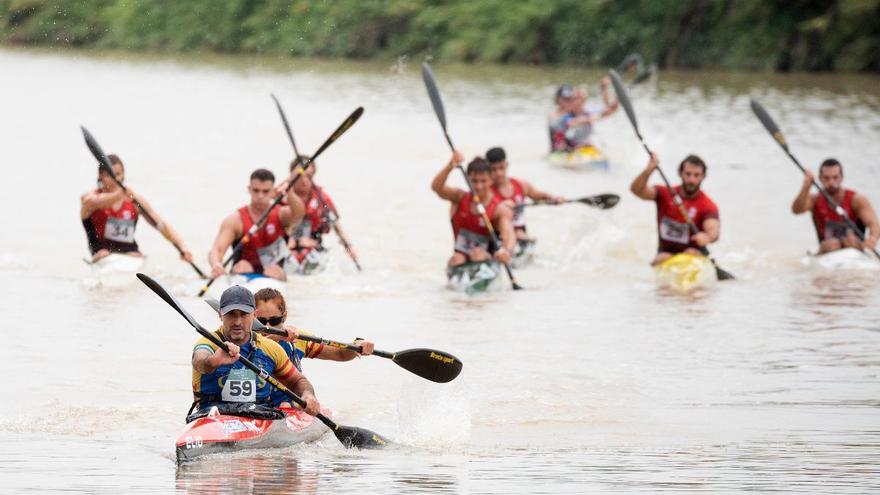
217	432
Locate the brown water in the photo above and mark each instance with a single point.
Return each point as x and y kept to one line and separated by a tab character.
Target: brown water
593	379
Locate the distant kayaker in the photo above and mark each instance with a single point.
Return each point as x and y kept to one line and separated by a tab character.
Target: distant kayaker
472	237
571	124
675	236
830	226
109	216
272	311
515	191
320	215
265	251
219	377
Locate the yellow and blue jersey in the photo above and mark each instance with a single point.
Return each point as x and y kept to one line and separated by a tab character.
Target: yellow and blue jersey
263	352
296	352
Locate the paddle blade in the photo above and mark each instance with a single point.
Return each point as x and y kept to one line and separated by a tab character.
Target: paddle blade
434	94
339	131
430	364
97	152
644	75
286	124
769	124
723	274
623	98
359	438
631	60
601	201
215	304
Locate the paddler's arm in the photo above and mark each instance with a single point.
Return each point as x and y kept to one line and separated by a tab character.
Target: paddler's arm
293	213
610	107
205	361
438	185
538	195
504	223
300	385
711	231
93	201
230	229
336	354
640	186
804	201
164	228
868	216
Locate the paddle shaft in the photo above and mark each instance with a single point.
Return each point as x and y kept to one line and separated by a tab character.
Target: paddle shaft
104	164
345	244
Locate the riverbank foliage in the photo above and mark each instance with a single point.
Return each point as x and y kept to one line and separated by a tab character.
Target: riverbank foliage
811	35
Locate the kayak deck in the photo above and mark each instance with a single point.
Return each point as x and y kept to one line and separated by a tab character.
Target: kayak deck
472	277
218	433
849	259
685	272
584	158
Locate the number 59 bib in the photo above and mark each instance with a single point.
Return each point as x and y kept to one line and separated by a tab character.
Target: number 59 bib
240	386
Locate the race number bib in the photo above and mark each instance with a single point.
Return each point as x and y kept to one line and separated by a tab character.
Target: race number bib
304	229
273	253
467	240
673	231
119	230
835	230
240	386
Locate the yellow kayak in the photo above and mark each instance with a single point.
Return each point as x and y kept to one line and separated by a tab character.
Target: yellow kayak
585	158
684	271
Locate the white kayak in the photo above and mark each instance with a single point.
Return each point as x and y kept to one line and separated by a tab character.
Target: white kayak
116	269
849	259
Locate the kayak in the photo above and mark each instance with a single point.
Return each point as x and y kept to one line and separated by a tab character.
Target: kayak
314	261
471	277
584	158
524	253
115	269
217	432
849	259
684	271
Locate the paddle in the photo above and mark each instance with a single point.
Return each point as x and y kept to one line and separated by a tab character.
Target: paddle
299	172
335	215
601	201
349	436
430	364
437	103
630	113
104	165
774	131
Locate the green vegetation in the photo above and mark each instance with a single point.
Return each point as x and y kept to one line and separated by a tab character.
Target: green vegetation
812	35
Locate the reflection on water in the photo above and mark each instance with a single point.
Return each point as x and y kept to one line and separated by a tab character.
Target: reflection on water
250	473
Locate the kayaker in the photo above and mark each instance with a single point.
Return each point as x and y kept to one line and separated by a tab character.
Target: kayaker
272	311
266	251
830	227
320	215
674	234
577	124
556	120
472	237
219	377
109	216
515	191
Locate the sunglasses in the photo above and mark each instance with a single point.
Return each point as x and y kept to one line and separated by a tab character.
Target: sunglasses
272	321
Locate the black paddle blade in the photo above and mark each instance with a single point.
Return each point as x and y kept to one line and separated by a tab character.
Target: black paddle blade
286	124
623	98
722	274
601	201
644	75
434	94
97	152
430	364
631	60
359	438
339	131
769	124
215	304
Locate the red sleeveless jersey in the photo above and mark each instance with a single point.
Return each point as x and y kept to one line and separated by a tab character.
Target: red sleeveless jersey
469	228
267	246
112	229
829	224
674	234
315	221
519	198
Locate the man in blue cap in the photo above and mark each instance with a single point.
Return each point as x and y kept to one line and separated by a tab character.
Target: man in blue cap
219	377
